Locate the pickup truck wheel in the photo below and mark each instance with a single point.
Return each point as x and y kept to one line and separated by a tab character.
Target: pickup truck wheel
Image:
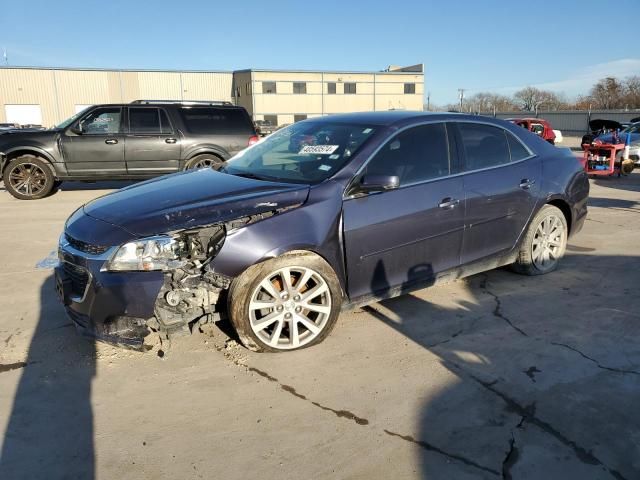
204	161
544	243
28	178
286	303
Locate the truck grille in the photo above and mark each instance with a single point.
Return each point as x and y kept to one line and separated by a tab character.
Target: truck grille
79	278
84	246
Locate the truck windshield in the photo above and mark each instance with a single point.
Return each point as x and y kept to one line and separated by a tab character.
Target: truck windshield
305	152
71	119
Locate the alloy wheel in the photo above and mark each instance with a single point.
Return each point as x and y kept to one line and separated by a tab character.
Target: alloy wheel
290	307
548	242
28	179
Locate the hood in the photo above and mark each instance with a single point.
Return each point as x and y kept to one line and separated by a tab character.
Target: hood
600	123
27	134
191	199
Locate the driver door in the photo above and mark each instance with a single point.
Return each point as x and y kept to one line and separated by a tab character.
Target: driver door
95	144
397	239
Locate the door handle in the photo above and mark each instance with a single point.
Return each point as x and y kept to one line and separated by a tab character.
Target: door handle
111	141
448	203
526	184
170	140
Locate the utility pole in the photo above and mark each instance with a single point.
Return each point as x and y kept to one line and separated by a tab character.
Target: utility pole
4	55
461	96
428	101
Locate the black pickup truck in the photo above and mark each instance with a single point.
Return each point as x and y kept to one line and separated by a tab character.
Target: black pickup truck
139	140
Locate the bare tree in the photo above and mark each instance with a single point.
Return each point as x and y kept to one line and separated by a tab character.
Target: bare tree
608	93
632	92
531	99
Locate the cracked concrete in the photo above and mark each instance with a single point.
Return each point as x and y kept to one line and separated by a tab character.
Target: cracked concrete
497	376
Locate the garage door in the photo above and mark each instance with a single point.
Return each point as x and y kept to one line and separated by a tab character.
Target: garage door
23	114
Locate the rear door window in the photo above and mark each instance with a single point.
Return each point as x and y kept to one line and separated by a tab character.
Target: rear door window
484	145
516	148
414	155
205	120
148	121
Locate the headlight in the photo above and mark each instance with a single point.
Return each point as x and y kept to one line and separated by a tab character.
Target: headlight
154	253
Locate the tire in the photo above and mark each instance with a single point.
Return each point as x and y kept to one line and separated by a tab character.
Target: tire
548	232
206	160
28	178
285	323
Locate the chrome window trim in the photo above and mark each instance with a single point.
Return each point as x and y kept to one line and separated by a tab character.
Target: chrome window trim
431	180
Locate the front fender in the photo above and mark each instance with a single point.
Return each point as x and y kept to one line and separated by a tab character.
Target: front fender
315	227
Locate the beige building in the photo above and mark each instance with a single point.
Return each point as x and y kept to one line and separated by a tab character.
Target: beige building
46	96
286	96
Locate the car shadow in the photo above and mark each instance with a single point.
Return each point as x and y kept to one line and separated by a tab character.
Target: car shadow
50	433
547	372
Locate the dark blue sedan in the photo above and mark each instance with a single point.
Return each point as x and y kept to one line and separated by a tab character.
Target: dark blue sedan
365	207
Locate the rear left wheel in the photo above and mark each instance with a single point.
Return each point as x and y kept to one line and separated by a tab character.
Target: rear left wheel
544	243
204	161
286	303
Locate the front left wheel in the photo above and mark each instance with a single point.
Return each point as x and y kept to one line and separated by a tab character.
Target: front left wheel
286	303
28	178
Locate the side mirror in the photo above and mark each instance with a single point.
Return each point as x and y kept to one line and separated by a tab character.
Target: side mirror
378	183
76	129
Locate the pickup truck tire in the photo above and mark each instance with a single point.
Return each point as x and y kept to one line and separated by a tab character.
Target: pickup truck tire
206	160
28	178
286	303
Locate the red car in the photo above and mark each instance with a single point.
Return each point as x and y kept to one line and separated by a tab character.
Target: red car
538	126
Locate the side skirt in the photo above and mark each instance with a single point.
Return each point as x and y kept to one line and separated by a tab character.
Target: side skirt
442	278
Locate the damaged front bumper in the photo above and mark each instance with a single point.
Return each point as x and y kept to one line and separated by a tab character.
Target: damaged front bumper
123	307
109	306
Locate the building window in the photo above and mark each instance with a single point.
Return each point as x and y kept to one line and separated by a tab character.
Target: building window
299	117
409	88
272	119
299	87
331	88
269	87
349	87
247	88
238	92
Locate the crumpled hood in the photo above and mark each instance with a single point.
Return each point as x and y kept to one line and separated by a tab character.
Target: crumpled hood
191	199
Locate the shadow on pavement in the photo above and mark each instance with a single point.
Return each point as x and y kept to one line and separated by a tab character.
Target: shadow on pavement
50	430
548	373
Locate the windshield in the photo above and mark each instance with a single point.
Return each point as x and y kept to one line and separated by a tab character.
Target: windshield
306	152
635	128
71	119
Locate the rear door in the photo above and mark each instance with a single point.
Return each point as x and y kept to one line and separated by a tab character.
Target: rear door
99	149
501	185
398	238
152	146
228	128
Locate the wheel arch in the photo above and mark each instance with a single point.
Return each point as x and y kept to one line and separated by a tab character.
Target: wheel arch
17	152
564	207
305	249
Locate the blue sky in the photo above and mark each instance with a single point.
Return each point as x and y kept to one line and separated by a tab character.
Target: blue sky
479	45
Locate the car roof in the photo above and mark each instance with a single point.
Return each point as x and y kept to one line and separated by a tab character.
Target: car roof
525	119
168	104
392	117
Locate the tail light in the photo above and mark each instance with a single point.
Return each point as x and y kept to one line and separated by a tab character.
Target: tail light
253	140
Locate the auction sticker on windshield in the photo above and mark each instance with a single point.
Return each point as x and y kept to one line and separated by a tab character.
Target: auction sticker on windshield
319	149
